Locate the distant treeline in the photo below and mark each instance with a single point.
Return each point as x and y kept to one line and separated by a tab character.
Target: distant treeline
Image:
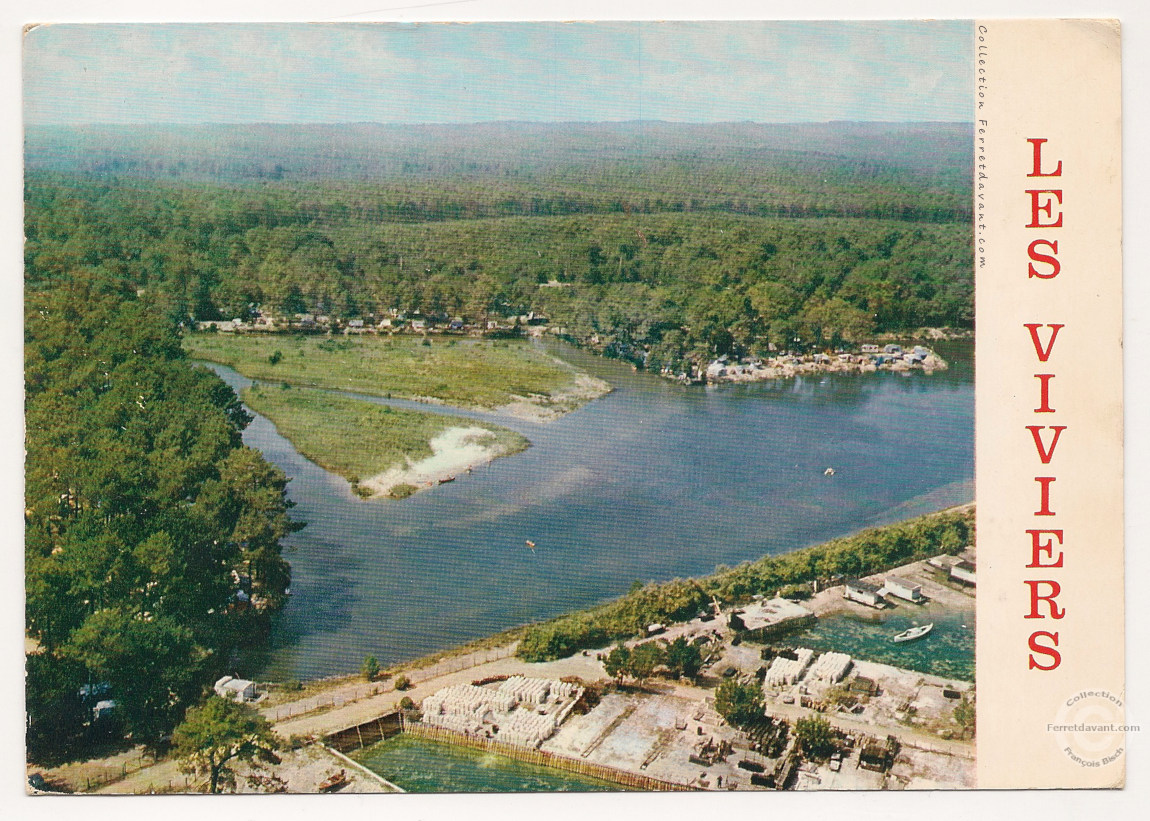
734	160
662	258
871	551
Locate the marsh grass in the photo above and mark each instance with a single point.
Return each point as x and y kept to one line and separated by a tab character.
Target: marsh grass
355	438
478	373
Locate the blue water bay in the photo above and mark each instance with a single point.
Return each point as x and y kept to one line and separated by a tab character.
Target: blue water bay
650	482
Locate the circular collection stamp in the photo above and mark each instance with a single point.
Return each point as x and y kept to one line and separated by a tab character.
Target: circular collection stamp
1088	728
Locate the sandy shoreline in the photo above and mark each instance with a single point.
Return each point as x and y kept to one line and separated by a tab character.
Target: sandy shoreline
454	451
548	409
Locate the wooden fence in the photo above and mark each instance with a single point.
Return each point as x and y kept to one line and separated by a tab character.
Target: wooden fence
94	776
391	724
335	698
338	696
365	734
544	758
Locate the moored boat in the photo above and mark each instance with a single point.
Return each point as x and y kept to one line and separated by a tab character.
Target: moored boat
334	782
914	633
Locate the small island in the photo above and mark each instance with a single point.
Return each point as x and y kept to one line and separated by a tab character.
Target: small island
383	452
307	384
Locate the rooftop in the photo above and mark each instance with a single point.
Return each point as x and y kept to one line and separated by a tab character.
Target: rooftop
762	614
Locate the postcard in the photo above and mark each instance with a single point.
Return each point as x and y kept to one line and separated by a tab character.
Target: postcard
681	406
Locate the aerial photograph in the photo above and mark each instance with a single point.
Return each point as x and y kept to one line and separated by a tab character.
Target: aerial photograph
498	407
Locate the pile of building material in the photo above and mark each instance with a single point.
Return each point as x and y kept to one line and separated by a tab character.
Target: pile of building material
460	722
520	710
537	690
527	729
785	671
831	667
466	699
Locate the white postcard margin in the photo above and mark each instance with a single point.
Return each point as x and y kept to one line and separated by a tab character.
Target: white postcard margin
1048	404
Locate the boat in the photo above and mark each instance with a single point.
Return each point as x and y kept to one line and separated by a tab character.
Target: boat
446	479
914	633
334	782
829	472
531	545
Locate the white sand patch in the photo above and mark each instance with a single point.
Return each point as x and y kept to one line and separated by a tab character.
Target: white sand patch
582	390
453	452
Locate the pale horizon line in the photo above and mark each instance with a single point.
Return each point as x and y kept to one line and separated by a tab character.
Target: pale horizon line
110	123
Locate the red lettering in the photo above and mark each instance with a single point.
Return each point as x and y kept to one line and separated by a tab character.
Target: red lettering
1037	208
1043	644
1044	454
1049	259
1038	547
1044	391
1033	327
1044	482
1055	589
1037	142
1045	650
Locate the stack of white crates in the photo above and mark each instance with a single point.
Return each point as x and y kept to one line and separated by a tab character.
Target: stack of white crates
783	671
831	667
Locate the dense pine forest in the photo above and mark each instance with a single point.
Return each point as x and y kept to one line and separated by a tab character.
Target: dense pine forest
152	535
653	242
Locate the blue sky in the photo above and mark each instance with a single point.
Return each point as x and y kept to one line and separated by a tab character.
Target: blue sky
434	72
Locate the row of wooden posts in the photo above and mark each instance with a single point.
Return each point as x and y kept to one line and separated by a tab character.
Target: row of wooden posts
386	726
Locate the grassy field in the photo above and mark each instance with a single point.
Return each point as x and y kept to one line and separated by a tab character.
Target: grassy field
355	438
463	372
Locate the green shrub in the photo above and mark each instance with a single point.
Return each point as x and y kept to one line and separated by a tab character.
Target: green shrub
402	491
740	703
795	591
816	736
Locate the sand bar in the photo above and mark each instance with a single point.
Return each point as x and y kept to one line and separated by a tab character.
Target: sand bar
454	451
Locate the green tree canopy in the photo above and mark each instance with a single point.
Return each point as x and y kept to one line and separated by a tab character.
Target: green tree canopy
644	659
683	658
152	535
739	702
816	736
153	666
965	713
661	282
219	733
618	662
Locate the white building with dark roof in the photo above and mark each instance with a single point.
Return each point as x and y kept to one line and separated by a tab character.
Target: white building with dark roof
863	593
903	589
235	689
